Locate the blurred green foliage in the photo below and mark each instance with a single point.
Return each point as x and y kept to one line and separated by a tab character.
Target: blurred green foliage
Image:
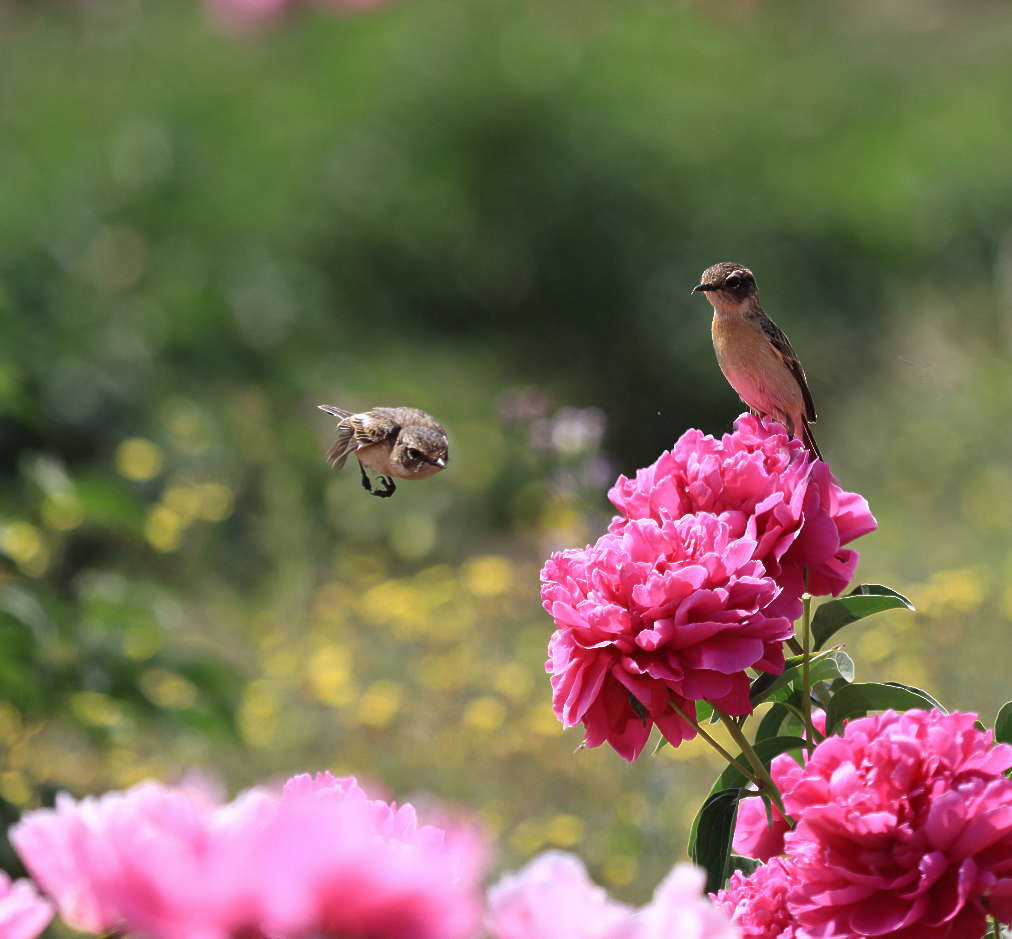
435	203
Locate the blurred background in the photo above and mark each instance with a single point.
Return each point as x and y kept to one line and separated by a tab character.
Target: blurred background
213	219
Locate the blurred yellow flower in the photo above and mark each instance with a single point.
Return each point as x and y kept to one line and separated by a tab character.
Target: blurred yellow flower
168	689
97	709
215	502
164	528
139	459
22	542
488	576
380	703
259	713
565	830
15	788
485	714
329	671
621	869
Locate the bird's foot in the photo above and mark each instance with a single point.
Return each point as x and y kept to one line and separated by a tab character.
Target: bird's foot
366	484
389	488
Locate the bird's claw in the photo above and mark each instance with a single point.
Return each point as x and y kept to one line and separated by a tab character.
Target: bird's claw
389	488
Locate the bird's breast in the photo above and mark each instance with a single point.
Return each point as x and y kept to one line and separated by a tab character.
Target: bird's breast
753	367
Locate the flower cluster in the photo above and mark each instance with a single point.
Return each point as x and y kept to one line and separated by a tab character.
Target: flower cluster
763	484
903	828
696	581
554	898
319	858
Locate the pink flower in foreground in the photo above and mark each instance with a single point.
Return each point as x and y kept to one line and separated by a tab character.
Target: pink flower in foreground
680	909
319	859
757	904
166	861
338	864
23	913
553	898
661	613
754	834
765	486
904	829
246	15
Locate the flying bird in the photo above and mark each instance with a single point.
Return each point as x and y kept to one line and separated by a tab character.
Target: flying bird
754	354
392	442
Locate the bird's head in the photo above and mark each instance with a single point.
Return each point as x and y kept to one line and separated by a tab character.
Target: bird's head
422	450
728	286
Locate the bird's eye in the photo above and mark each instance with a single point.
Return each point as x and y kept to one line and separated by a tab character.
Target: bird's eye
733	282
413	454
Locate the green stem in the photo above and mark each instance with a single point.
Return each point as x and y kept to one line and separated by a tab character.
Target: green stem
763	779
995	928
713	743
806	677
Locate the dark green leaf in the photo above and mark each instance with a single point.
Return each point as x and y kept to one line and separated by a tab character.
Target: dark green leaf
712	848
769	726
863	601
747	865
858	699
822	666
731	778
1003	724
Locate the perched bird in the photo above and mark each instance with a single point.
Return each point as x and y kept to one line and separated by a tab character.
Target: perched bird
754	354
402	442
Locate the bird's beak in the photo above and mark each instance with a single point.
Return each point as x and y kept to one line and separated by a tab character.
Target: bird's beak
439	461
702	288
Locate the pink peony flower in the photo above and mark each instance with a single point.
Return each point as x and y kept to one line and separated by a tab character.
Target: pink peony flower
167	861
319	859
757	904
553	898
659	613
904	829
23	913
765	486
337	864
680	909
239	16
754	836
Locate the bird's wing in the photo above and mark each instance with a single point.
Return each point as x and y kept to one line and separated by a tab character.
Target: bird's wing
778	339
373	426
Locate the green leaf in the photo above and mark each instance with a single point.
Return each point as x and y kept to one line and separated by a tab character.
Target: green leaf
712	848
1003	724
863	601
823	666
858	699
766	750
769	726
747	865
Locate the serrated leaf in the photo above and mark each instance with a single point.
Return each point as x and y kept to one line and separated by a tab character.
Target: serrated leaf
1003	724
766	750
858	699
863	601
712	848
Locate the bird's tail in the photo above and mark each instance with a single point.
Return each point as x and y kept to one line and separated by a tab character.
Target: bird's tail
809	439
345	442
